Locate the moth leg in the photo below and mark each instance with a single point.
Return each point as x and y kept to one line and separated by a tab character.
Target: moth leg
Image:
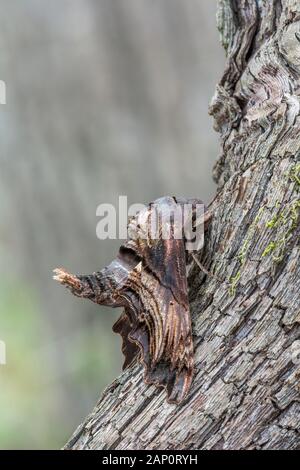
204	219
203	268
207	219
200	265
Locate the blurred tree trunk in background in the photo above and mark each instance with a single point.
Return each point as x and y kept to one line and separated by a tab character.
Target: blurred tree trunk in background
245	393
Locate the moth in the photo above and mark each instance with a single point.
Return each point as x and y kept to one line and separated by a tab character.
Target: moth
148	279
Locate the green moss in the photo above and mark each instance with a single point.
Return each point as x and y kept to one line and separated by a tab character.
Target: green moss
234	280
287	220
294	174
276	219
294	213
271	247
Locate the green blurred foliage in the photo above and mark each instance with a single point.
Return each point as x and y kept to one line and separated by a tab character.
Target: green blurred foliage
29	396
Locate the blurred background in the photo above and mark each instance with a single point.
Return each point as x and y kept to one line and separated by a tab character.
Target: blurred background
104	98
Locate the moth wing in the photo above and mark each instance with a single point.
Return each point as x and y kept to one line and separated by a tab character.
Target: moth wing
158	308
158	322
162	252
166	260
130	349
164	336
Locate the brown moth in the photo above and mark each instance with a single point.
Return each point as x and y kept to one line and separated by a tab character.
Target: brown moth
148	278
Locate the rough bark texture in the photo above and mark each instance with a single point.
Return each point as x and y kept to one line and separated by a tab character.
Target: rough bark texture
246	328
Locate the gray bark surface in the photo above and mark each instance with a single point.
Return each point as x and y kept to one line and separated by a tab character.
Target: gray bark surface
245	393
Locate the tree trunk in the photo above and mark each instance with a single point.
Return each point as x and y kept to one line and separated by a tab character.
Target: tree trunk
246	318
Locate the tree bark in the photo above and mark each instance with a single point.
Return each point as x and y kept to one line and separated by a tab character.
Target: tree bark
245	393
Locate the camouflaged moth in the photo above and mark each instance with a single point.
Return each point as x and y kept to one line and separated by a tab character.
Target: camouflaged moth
148	278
